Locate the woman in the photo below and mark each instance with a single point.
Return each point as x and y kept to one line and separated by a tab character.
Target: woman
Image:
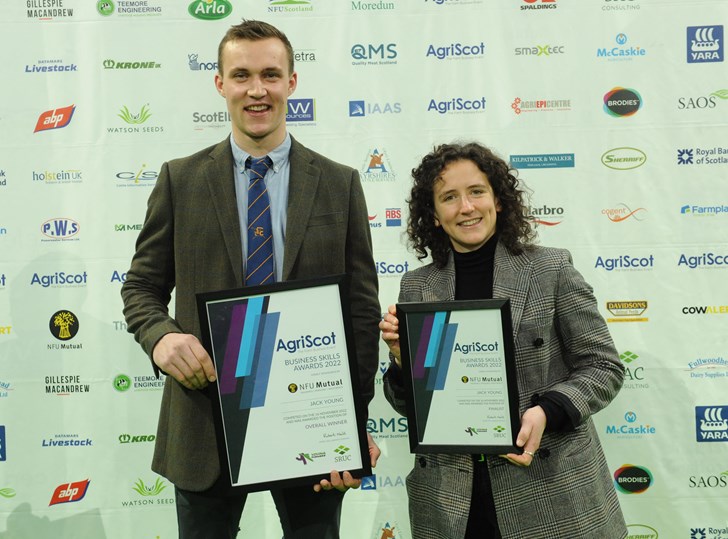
467	211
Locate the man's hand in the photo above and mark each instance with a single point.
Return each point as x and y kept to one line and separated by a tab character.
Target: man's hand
389	327
183	358
346	481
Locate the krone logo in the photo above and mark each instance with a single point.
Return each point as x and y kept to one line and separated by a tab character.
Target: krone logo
63	325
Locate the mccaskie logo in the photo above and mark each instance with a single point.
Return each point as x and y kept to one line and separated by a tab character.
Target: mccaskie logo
620	102
54	119
710	425
63	325
71	492
301	110
624	158
705	44
627	311
631	479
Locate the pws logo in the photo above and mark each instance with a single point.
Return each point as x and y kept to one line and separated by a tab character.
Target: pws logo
70	492
631	479
210	10
60	228
705	44
54	119
301	110
622	102
710	425
624	158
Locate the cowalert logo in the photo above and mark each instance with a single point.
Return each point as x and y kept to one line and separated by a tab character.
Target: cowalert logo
631	479
622	102
54	118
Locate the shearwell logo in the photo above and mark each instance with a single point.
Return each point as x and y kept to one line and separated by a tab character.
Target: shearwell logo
620	102
70	492
210	10
54	119
62	176
301	110
710	425
621	212
624	158
627	311
631	479
543	160
705	44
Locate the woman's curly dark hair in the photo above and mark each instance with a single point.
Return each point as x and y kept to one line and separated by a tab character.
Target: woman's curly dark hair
512	225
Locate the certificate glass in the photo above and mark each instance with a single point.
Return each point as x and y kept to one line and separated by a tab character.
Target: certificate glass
287	404
460	377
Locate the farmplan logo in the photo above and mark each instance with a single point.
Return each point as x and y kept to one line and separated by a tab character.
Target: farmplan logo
54	119
621	102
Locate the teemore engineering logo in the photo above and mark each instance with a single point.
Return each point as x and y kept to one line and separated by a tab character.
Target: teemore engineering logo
54	118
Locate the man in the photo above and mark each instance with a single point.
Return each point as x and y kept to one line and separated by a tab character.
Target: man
192	241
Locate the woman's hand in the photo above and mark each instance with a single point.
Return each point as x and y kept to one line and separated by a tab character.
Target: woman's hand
389	326
533	423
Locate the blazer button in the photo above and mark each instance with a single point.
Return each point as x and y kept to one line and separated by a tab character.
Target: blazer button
538	342
423	462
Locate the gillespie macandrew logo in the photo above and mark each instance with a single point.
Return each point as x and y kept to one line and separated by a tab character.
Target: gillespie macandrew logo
45	10
631	479
624	158
54	119
621	102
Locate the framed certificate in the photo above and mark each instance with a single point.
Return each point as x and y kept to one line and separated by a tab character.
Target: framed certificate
287	405
460	376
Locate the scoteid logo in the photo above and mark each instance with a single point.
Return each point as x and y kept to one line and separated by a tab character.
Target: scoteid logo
63	325
631	479
621	102
54	119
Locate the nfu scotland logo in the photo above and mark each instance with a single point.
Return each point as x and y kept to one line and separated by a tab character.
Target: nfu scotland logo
710	426
705	44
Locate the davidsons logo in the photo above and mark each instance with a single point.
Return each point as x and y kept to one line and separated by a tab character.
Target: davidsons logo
210	10
624	158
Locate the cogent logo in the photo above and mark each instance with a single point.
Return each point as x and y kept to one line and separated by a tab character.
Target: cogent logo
624	158
631	479
620	102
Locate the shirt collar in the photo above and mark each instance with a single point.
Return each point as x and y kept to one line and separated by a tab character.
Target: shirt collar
278	155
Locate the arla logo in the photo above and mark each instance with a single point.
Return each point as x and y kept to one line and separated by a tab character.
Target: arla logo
210	10
621	102
710	426
705	44
71	492
54	119
60	228
631	479
641	531
624	158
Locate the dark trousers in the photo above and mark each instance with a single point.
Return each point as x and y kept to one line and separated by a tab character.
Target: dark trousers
304	514
482	521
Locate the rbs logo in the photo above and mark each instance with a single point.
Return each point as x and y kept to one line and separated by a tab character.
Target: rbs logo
55	119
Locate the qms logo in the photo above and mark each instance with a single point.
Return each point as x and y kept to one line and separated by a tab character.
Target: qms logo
54	119
71	492
60	228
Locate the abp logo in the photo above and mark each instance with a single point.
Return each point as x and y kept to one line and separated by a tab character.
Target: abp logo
54	119
70	492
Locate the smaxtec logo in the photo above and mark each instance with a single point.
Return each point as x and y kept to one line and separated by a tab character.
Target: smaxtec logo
621	102
621	212
54	119
58	279
143	177
543	160
69	492
621	51
210	10
624	158
540	50
50	66
547	215
625	263
63	325
521	106
60	229
703	261
457	105
377	167
627	311
705	44
195	65
301	110
289	6
703	102
694	210
57	177
358	109
631	479
47	10
710	425
717	155
455	51
631	428
539	4
374	54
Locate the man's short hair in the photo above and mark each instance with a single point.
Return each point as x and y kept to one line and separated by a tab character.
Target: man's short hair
254	31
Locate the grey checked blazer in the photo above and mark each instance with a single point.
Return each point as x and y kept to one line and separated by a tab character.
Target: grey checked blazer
567	492
190	242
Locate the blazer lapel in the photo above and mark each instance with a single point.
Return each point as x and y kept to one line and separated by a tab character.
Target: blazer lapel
302	185
511	279
221	182
440	284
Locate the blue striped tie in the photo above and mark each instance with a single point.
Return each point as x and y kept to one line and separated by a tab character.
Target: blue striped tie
259	267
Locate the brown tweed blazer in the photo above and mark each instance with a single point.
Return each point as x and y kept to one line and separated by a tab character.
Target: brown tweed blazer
567	492
190	242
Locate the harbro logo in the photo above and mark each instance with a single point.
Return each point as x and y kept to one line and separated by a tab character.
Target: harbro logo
621	102
710	423
631	479
63	325
69	492
54	119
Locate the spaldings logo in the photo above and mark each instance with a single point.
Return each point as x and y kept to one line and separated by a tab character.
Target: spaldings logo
60	228
70	492
621	212
54	119
620	102
301	110
631	479
705	44
710	425
624	158
210	10
539	4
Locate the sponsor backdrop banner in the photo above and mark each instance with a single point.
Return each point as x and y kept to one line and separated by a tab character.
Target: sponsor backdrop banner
614	110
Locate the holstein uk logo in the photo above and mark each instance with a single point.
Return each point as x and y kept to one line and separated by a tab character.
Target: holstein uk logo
455	51
210	10
301	110
377	167
621	212
621	51
56	177
539	4
705	44
60	228
70	492
196	65
520	106
704	211
631	479
54	119
710	425
543	160
624	158
361	108
627	311
621	102
63	325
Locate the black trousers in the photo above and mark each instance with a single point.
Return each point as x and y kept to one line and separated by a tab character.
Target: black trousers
482	521
304	514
